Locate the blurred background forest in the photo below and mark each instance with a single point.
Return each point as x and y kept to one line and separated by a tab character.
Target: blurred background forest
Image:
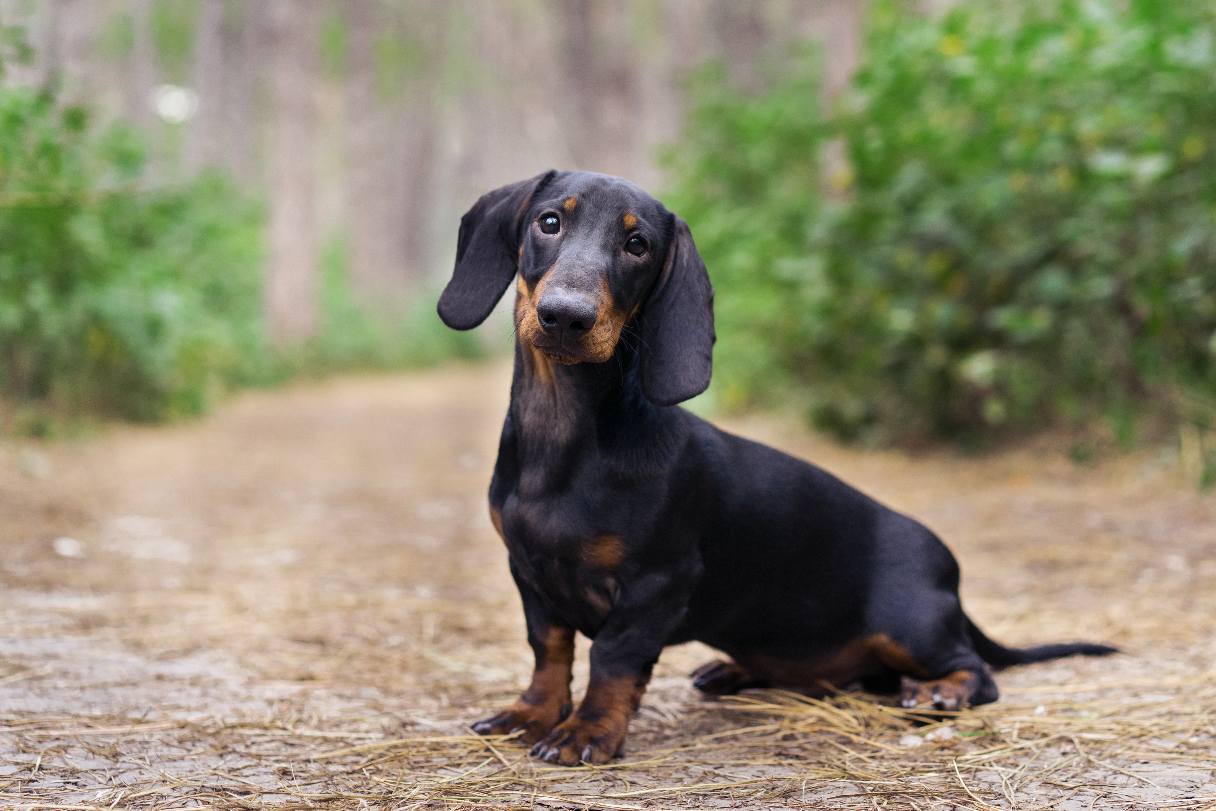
934	227
925	221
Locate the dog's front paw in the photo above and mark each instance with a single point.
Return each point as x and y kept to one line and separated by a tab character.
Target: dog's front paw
534	721
581	740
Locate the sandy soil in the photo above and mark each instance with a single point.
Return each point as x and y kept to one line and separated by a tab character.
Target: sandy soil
300	601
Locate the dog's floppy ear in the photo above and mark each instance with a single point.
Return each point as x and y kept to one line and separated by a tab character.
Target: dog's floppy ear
487	251
678	325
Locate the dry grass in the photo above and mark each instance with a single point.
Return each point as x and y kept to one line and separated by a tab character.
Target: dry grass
300	603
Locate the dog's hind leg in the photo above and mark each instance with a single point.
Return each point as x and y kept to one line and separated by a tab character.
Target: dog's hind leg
935	671
723	678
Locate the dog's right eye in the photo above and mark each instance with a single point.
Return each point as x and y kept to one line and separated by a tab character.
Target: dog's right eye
549	223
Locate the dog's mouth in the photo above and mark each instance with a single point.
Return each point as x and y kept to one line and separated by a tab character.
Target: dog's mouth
558	354
558	357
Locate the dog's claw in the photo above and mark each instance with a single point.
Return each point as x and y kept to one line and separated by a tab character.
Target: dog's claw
575	742
944	702
491	725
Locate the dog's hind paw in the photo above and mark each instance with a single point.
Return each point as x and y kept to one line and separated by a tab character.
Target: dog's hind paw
955	691
722	678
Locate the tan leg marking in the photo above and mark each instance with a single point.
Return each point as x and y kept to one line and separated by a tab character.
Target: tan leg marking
547	700
596	733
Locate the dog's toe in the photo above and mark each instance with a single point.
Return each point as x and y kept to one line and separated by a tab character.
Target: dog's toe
533	721
580	741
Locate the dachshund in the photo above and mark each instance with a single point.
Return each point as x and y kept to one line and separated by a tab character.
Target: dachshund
639	525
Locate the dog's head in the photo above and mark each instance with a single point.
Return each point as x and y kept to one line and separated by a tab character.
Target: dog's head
595	257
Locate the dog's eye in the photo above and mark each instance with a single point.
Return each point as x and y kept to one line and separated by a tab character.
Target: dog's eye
549	223
636	245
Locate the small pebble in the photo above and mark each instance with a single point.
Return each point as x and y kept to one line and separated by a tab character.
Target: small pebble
911	741
68	547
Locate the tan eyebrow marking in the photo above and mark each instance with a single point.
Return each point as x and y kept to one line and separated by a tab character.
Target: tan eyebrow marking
569	203
630	221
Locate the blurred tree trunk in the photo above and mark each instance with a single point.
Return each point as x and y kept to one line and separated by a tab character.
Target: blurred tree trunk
598	61
741	30
419	107
141	67
292	279
205	138
392	123
838	23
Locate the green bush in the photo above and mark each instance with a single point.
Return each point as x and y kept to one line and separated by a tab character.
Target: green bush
351	336
125	298
1008	222
117	298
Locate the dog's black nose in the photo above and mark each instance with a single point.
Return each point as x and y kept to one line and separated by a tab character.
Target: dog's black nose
566	313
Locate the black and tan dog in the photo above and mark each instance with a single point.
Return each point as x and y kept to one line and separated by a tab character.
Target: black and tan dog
634	522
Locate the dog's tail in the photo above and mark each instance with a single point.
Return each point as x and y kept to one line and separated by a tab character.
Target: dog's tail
1000	656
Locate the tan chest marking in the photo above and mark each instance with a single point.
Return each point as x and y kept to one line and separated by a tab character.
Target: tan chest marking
604	551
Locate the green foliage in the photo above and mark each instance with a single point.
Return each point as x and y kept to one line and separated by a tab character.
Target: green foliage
124	298
116	298
335	45
398	58
748	169
173	25
352	336
117	39
14	47
1009	221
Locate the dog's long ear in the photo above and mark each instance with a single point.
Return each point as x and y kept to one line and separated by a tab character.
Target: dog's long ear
487	251
678	325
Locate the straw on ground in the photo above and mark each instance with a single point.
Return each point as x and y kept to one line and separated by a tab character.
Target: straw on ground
300	602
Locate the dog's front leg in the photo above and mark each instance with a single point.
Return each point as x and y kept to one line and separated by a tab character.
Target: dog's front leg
622	656
547	699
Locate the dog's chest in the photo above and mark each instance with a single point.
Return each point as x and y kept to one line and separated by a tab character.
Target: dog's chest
572	560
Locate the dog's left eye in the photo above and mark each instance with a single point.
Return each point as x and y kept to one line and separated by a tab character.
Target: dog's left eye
549	223
636	245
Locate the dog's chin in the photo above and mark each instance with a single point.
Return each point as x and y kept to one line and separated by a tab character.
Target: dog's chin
572	353
557	356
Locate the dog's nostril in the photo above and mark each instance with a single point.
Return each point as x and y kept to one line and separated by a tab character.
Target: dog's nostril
565	313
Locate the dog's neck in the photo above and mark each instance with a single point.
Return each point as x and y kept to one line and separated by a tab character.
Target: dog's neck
558	410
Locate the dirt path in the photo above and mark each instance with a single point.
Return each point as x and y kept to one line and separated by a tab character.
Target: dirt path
300	601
